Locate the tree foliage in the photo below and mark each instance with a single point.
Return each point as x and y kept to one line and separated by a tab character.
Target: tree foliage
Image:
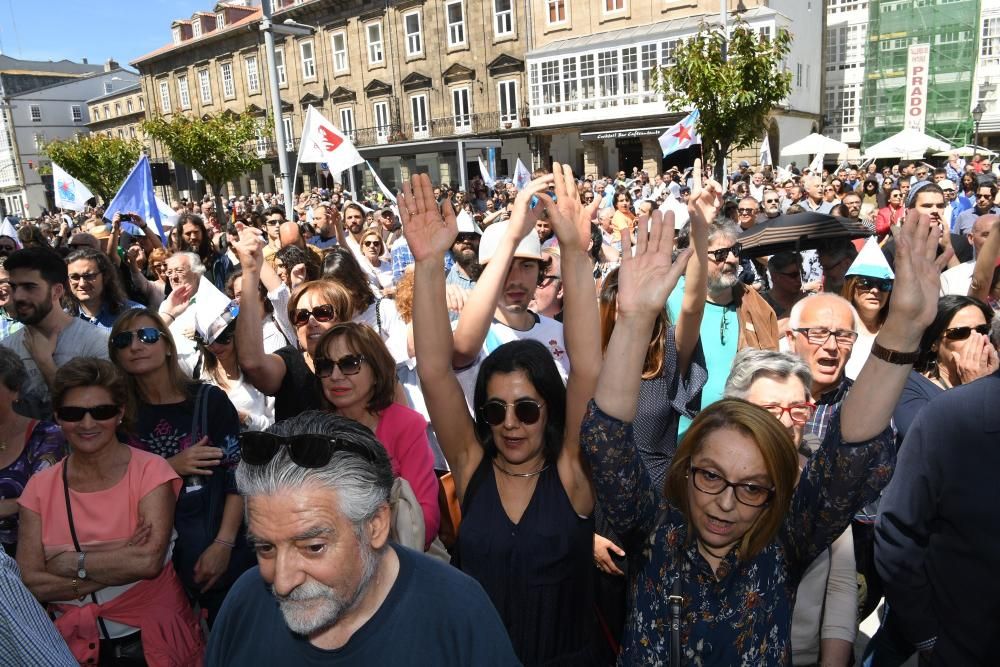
735	92
218	147
100	161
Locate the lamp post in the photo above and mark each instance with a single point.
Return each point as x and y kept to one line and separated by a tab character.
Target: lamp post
977	116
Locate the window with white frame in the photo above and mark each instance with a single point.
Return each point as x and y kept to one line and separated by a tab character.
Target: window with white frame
39	140
347	122
121	133
338	44
96	113
228	85
131	131
176	33
183	95
164	97
279	62
107	111
455	13
570	93
142	104
260	141
220	20
118	109
76	113
414	38
196	28
630	75
508	102
286	122
611	6
205	86
503	18
989	49
381	113
556	11
373	31
253	75
418	115
108	87
461	109
128	106
308	60
607	78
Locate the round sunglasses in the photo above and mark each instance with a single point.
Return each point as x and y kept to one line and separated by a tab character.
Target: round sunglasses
146	335
349	365
76	413
307	450
526	410
322	313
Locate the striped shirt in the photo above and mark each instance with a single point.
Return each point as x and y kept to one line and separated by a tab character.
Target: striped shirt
826	405
27	636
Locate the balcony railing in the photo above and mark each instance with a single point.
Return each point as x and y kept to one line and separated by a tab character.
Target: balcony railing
440	128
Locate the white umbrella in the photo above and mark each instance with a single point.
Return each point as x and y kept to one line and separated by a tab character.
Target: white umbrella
909	144
813	144
966	151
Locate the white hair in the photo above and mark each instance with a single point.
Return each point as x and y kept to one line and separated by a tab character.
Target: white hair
197	267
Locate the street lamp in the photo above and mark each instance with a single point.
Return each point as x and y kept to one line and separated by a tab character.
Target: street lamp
977	116
269	28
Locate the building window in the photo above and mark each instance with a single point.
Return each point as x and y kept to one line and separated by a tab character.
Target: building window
338	41
142	104
508	103
176	32
118	109
503	18
381	110
39	140
550	86
374	33
121	133
76	112
308	60
347	122
205	86
253	77
456	23
96	113
989	49
588	81
196	28
461	108
286	122
556	11
418	115
128	106
183	96
36	113
108	88
131	131
607	72
220	20
611	6
414	40
107	111
260	143
228	85
164	97
279	60
570	95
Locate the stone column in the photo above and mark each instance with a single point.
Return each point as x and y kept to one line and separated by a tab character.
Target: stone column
542	152
651	155
592	154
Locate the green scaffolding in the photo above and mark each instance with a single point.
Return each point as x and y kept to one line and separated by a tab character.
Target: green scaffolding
951	27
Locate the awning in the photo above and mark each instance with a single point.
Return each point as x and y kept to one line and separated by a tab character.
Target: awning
622	134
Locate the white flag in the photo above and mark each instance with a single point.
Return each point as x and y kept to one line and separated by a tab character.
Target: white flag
816	166
521	175
381	186
323	142
765	151
484	171
70	193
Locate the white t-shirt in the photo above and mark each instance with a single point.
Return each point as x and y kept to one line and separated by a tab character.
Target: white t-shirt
958	279
392	329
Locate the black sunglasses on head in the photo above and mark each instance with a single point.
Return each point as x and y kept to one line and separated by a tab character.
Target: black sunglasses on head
322	313
720	254
146	335
76	413
349	365
307	450
961	333
526	410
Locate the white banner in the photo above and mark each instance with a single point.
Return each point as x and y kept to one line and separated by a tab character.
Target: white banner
917	79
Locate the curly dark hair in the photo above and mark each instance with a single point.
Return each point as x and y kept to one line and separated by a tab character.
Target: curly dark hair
113	294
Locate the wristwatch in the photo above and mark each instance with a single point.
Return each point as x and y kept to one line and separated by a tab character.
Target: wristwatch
81	571
894	356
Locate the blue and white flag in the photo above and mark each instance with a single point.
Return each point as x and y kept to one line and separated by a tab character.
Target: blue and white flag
521	175
682	135
136	196
484	171
70	193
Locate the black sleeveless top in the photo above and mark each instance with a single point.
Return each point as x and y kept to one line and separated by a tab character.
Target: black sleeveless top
537	572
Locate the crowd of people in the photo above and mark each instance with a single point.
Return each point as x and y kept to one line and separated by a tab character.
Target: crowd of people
577	422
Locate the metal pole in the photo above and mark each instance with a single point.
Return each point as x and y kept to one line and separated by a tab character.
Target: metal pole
279	126
976	141
724	19
461	166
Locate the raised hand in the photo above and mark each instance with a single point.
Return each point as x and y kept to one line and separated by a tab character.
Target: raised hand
570	219
523	217
705	200
976	358
646	278
918	278
250	247
429	232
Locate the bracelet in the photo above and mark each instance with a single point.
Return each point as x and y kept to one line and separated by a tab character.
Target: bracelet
76	588
894	356
231	545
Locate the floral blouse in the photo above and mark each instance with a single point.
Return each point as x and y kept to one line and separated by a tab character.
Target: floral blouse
44	447
744	616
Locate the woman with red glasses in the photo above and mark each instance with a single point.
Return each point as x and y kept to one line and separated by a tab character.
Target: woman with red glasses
195	427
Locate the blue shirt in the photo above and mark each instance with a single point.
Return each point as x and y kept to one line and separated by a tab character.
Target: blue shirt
27	636
105	318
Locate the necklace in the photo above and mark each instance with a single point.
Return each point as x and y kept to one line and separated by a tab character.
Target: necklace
519	474
710	552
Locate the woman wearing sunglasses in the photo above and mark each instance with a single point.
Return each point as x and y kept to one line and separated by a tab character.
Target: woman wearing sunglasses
195	428
527	531
373	250
359	382
149	276
867	287
96	532
955	349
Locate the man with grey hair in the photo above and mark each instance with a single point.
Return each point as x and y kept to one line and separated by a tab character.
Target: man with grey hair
318	516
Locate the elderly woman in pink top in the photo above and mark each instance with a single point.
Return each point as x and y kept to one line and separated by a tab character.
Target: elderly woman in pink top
96	531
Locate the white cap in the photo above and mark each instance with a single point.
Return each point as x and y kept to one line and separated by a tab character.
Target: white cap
871	262
529	247
467	224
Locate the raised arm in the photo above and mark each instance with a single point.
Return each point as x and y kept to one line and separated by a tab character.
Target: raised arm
474	322
429	236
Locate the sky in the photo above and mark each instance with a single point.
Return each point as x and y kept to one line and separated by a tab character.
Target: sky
96	30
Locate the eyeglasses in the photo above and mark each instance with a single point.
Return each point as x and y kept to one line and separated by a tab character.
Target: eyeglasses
146	335
349	365
980	195
85	277
720	254
819	335
526	410
307	451
177	272
799	413
746	211
159	267
76	413
468	238
865	283
274	222
961	333
770	201
895	194
753	495
322	313
373	244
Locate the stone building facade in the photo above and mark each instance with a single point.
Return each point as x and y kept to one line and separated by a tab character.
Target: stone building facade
119	113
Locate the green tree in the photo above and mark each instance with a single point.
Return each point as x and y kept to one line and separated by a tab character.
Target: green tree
100	161
733	83
218	147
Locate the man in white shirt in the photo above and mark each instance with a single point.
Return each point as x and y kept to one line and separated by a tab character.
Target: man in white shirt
958	279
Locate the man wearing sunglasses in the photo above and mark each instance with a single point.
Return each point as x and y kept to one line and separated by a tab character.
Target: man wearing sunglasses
330	586
985	195
50	337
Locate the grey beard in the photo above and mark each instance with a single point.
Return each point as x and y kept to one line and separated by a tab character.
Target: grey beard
723	282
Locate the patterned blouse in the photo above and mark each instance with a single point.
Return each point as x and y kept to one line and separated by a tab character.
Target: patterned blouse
744	616
44	447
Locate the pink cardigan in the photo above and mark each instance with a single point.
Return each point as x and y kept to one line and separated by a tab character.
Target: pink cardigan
403	433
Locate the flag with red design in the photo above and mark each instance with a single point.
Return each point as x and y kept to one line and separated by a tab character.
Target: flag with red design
323	142
682	135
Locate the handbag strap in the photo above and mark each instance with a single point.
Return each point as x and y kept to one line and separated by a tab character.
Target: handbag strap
676	600
378	315
199	418
76	542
